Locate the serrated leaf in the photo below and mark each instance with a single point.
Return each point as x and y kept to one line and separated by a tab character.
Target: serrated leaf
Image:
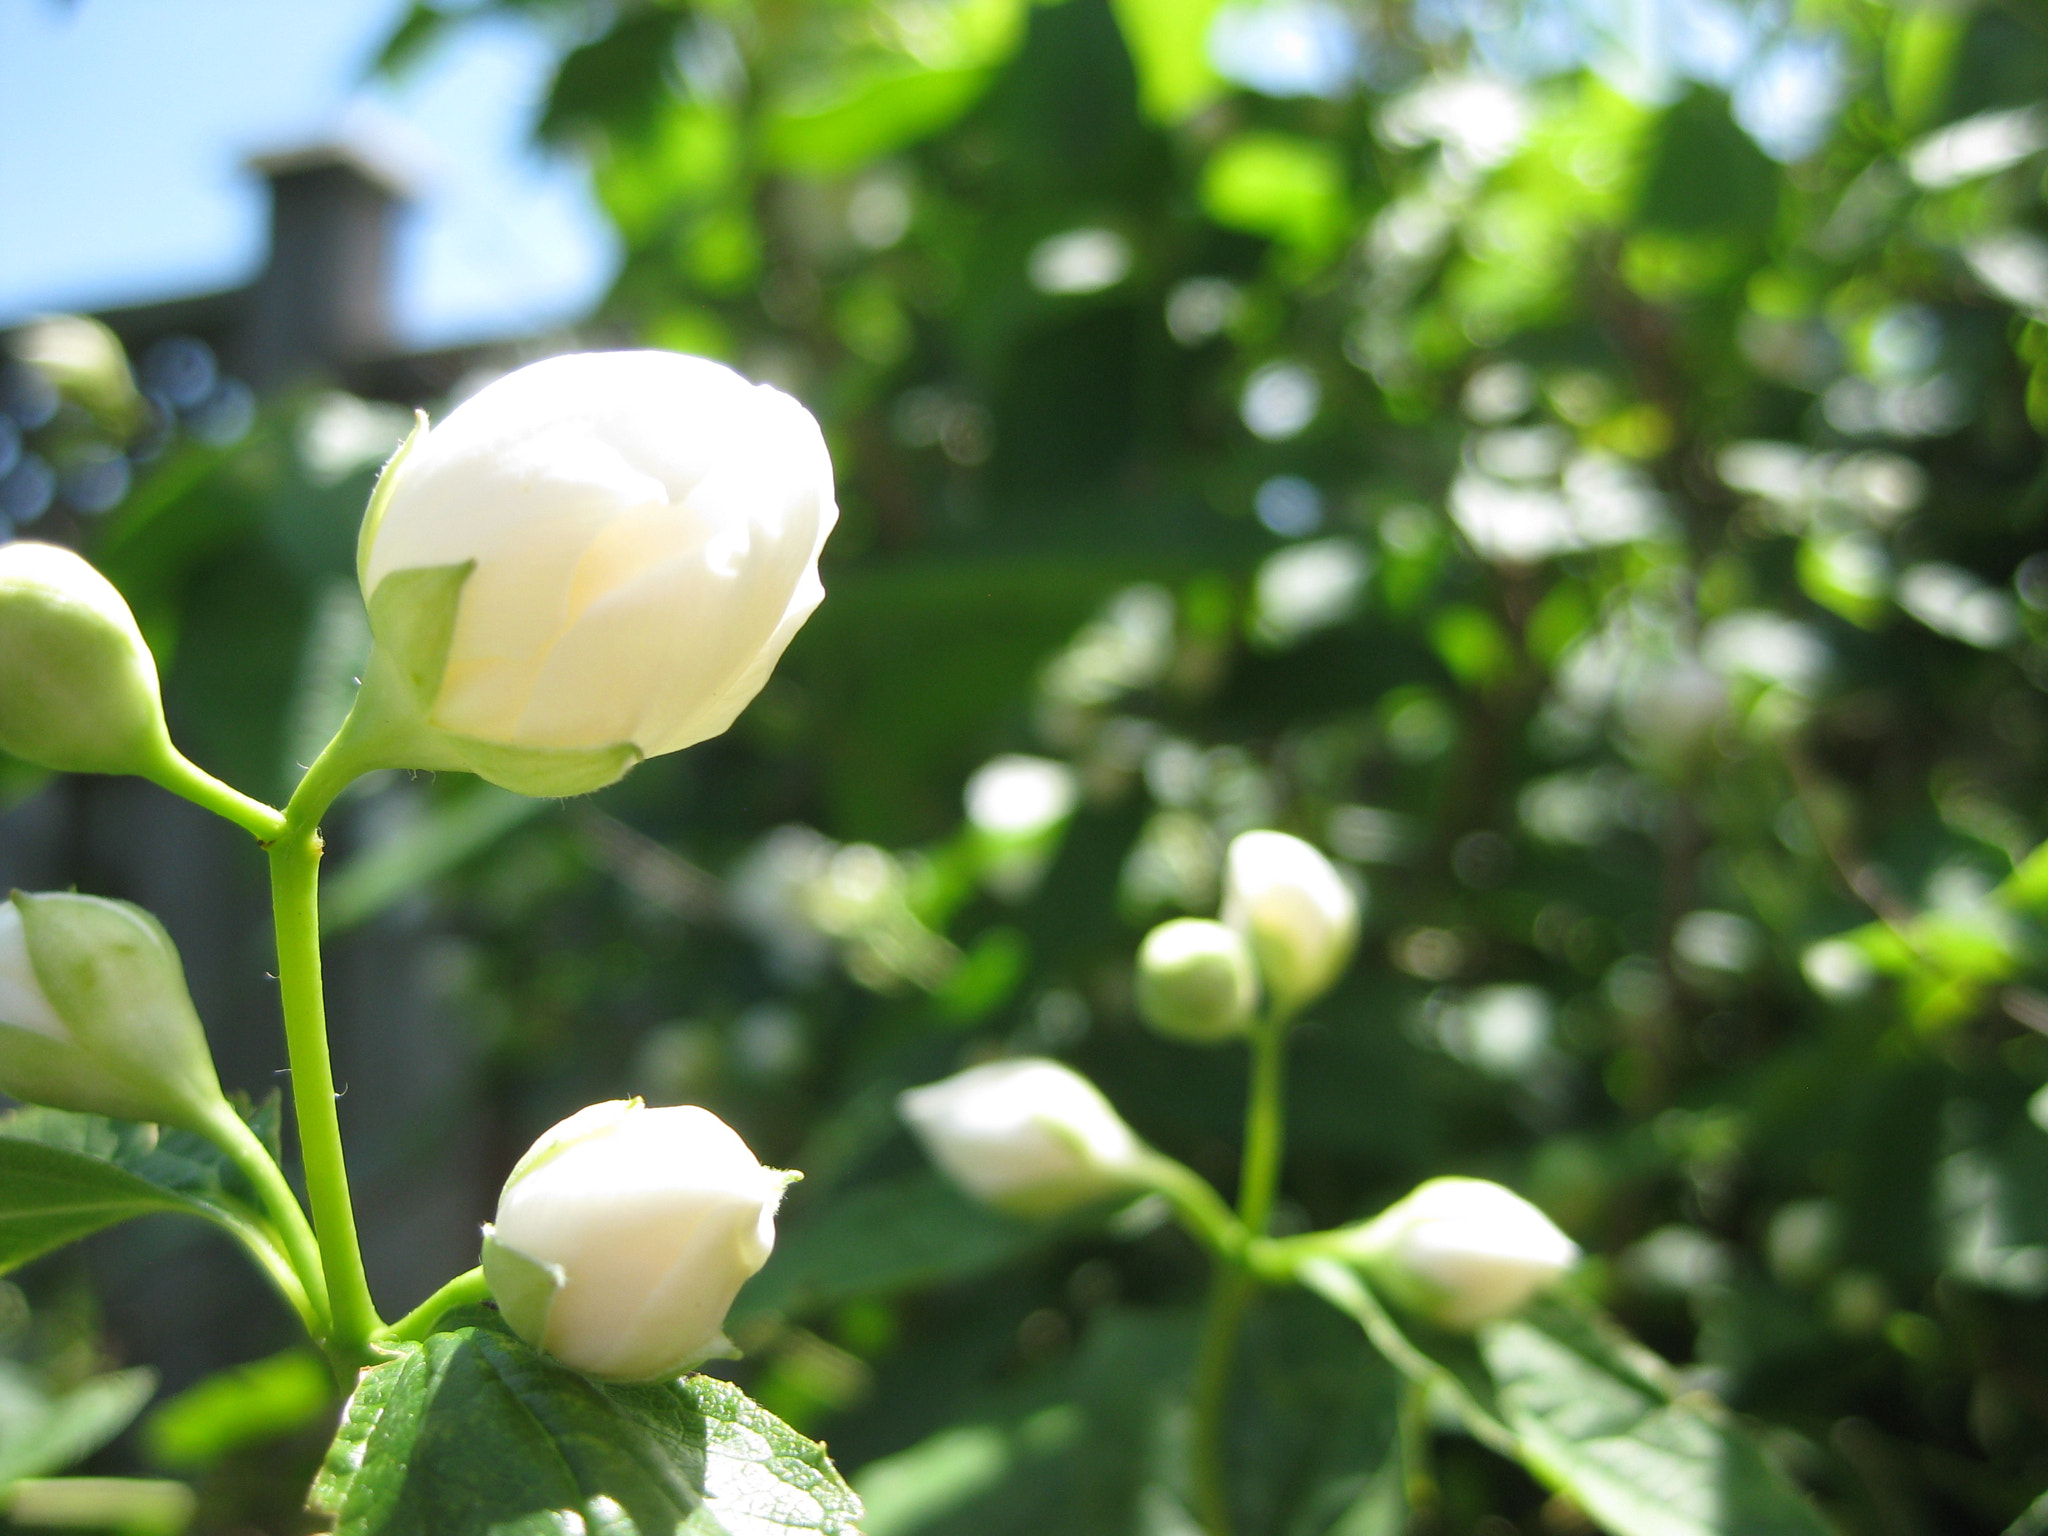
473	1432
64	1176
1598	1415
1595	1415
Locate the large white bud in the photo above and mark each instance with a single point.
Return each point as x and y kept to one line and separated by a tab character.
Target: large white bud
1461	1252
94	1015
624	1234
595	559
1295	911
1029	1136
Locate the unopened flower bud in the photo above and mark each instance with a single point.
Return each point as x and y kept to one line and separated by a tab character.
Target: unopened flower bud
1461	1252
94	1015
78	687
624	1234
83	359
595	559
1028	1136
1196	980
1294	909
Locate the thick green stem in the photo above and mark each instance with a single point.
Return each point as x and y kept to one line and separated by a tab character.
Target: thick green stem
1265	1126
1418	1475
183	777
466	1289
294	888
1230	1290
227	1131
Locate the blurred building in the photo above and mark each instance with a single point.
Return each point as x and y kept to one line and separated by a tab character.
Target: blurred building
322	304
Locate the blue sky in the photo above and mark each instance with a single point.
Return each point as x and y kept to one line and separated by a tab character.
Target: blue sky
124	126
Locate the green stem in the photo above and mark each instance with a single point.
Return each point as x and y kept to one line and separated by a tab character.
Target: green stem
1230	1290
1265	1126
1197	1206
466	1289
294	886
231	1134
183	777
1418	1475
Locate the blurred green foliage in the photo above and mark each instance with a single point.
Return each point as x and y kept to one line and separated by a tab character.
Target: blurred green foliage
1579	464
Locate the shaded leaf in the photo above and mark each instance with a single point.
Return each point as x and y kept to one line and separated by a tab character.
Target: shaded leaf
64	1176
913	1231
41	1434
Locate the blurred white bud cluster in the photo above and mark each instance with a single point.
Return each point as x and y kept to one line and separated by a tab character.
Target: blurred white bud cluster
1288	927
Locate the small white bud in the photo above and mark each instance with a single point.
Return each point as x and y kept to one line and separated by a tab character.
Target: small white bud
1029	1136
624	1234
94	1015
78	687
597	558
1196	980
1461	1252
1295	911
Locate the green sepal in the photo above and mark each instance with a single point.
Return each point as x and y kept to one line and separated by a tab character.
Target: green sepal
412	614
389	725
380	497
552	773
114	978
38	1070
523	1287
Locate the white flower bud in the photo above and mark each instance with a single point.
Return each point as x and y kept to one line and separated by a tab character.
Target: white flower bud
1461	1252
1029	1136
1196	980
624	1234
78	687
596	558
94	1015
1294	909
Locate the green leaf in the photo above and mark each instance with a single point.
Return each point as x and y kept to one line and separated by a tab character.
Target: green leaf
1599	1416
1284	187
242	1405
886	110
41	1434
473	1432
1594	1415
65	1176
1169	44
